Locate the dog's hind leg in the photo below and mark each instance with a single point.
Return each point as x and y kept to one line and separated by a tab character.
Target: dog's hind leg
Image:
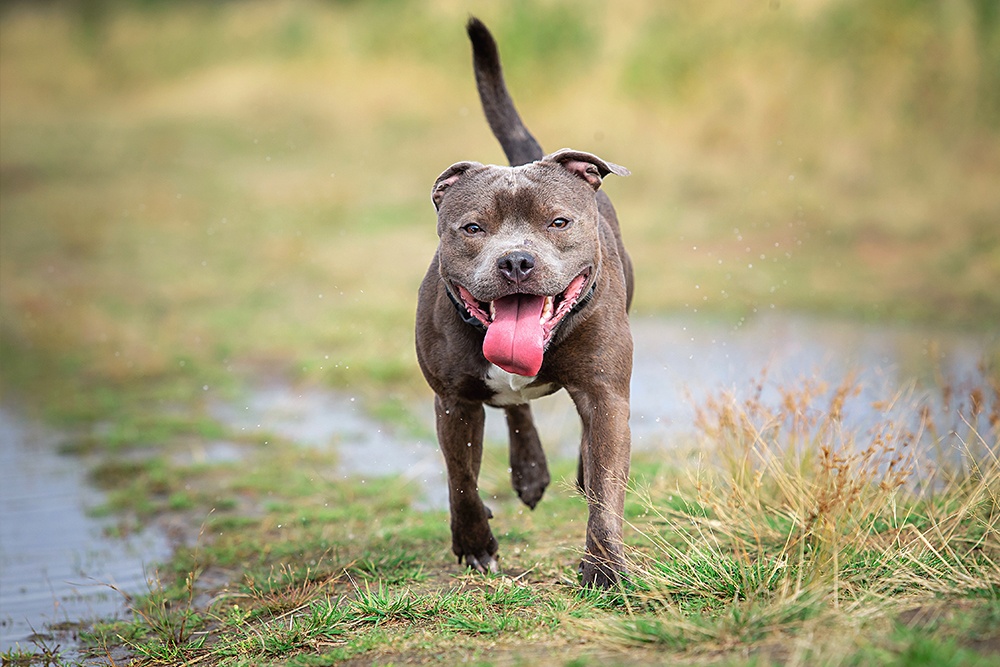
529	473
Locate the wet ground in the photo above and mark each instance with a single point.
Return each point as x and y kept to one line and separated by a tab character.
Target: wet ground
56	560
678	363
58	563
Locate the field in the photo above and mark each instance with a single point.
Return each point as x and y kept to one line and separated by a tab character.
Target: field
780	535
197	196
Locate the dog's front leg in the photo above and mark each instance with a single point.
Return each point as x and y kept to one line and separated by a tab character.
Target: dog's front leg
460	434
604	464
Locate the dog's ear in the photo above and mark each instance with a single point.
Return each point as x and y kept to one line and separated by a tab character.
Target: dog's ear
587	166
448	178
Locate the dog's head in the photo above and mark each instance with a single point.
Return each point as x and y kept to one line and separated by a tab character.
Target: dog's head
520	247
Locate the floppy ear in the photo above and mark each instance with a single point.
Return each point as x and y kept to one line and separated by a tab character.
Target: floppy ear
449	178
587	166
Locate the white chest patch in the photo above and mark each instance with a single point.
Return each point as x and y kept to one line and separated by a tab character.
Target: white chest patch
511	389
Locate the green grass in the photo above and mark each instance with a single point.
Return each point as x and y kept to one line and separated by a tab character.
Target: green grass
764	545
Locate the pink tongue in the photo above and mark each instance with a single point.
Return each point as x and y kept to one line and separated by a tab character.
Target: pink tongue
515	340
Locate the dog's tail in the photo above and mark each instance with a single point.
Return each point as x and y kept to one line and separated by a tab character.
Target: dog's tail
518	144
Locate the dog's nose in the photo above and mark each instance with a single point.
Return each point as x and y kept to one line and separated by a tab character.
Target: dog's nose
516	266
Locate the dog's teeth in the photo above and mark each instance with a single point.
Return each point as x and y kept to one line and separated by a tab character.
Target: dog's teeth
493	311
547	309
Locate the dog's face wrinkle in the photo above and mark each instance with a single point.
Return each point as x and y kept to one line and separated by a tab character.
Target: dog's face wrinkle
511	188
474	257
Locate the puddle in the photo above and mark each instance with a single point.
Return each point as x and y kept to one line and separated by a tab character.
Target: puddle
55	560
678	363
320	418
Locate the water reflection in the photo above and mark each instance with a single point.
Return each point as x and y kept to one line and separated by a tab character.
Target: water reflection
678	363
56	561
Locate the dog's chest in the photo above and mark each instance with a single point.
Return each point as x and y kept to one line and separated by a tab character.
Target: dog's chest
510	389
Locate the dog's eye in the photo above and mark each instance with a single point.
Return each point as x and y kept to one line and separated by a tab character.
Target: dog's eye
471	228
559	223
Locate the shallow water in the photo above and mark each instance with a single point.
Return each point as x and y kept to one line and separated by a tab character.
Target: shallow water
56	562
678	363
317	417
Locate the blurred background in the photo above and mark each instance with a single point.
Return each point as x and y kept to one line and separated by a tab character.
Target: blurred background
193	190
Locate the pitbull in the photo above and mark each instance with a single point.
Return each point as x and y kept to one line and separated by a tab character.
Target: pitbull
528	293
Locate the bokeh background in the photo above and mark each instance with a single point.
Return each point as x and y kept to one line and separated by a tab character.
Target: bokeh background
196	190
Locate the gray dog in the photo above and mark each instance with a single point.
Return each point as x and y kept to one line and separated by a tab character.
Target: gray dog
528	293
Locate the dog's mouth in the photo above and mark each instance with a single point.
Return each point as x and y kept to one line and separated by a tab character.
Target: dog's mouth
520	326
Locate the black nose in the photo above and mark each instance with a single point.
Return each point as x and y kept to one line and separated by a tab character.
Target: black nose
516	266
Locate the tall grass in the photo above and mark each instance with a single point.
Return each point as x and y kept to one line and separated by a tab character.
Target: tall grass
796	520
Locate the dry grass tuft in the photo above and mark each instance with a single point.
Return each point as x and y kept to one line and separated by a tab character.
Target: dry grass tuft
799	514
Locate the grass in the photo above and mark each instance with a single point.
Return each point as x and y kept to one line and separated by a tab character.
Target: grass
196	196
771	542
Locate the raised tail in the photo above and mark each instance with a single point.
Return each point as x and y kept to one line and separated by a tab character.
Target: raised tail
518	144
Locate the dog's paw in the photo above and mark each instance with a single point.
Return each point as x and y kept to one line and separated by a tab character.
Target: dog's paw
530	482
476	547
483	563
531	493
600	575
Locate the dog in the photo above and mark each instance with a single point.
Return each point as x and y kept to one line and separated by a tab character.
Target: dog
528	293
